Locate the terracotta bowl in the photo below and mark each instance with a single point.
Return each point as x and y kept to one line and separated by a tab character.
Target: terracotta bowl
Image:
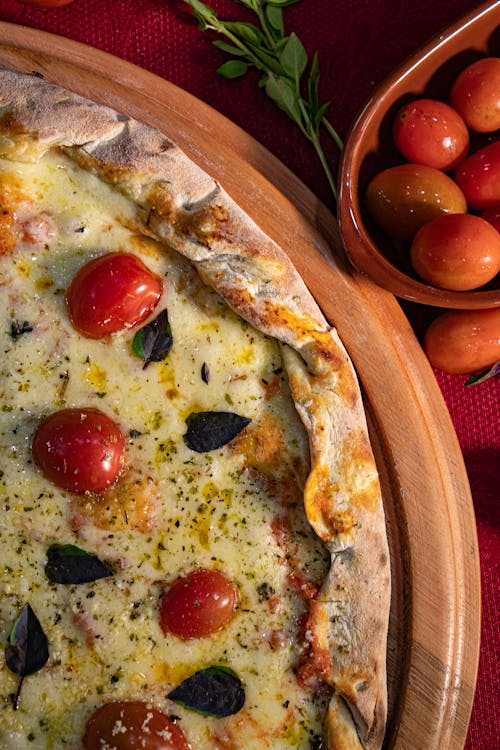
369	149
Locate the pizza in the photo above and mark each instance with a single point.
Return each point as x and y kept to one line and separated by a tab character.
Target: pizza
193	538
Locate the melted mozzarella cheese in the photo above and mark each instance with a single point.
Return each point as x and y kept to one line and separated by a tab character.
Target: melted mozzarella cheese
175	510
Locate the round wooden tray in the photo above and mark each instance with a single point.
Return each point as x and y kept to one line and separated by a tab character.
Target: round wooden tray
435	616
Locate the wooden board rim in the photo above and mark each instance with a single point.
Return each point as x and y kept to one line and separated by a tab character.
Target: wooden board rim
435	625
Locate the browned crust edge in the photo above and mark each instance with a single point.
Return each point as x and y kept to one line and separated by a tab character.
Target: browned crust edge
190	211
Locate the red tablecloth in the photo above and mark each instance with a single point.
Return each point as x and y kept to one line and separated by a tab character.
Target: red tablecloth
359	43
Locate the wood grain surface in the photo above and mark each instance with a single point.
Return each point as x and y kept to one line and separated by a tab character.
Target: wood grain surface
435	617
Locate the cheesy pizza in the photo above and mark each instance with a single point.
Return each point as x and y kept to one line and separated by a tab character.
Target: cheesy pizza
192	532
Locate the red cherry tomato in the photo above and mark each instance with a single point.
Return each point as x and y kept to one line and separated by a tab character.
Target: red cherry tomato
456	251
464	341
111	293
492	215
475	94
79	450
46	3
479	177
427	131
198	605
132	725
403	198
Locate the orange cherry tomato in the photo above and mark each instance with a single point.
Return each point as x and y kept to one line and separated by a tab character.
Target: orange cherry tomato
479	177
198	604
428	131
111	293
79	450
475	94
456	251
464	341
130	725
403	198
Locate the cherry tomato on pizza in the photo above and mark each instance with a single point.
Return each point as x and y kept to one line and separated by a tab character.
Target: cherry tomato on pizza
428	131
475	94
112	293
79	450
199	604
464	341
130	725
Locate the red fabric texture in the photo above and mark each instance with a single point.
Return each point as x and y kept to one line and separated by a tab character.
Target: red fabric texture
359	42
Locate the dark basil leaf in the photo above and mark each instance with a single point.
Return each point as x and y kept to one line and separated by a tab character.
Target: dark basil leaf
153	342
216	691
18	329
208	430
69	564
493	371
317	743
28	649
205	372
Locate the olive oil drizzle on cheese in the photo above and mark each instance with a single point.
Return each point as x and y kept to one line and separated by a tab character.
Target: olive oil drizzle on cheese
204	510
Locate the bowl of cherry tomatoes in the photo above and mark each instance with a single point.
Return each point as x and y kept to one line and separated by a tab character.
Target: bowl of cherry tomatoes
419	181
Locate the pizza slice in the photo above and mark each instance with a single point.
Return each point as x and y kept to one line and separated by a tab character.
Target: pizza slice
193	524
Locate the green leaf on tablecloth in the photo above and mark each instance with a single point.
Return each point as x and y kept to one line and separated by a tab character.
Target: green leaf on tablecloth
233	69
293	57
492	372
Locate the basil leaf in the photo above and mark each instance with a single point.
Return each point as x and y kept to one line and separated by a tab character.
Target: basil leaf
274	15
69	564
208	430
18	329
313	83
205	16
233	69
493	371
153	342
28	649
280	92
320	113
215	691
293	57
269	60
247	31
205	373
231	49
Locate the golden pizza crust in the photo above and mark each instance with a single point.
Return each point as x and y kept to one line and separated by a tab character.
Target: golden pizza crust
188	210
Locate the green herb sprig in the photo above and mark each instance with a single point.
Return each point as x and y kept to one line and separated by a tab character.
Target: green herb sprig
286	75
